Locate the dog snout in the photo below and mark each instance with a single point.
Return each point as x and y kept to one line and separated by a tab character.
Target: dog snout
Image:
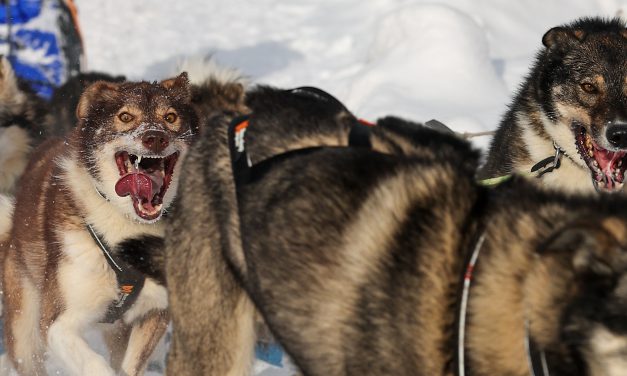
617	134
156	141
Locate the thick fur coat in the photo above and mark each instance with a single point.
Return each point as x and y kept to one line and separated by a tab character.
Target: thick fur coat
574	99
118	173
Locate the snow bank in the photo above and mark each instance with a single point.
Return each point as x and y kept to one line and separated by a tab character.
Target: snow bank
428	61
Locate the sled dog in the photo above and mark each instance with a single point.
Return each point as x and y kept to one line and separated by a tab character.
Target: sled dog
358	259
354	264
568	123
86	230
21	115
210	313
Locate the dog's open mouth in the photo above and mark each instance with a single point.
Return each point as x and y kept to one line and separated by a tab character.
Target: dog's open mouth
607	167
146	180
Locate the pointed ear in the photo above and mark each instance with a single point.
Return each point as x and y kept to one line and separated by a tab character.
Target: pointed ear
562	38
591	248
98	91
179	85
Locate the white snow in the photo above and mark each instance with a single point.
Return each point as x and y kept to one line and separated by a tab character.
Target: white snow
455	60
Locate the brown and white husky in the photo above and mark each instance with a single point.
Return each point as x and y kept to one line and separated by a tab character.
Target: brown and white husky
86	234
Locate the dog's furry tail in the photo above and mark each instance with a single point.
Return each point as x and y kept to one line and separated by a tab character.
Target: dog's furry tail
215	88
6	216
203	69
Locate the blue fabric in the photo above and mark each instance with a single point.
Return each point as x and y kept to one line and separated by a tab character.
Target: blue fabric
44	75
21	11
35	42
270	353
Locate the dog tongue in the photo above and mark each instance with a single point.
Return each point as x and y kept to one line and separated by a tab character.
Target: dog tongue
607	161
137	184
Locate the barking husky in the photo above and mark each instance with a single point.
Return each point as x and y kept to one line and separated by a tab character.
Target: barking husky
568	123
86	230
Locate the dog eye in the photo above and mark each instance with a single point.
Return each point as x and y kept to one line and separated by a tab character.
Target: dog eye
170	117
589	88
125	117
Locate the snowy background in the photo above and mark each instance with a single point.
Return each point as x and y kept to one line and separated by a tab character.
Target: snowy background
458	60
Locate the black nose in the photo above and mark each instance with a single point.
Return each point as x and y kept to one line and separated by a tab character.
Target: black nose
156	141
617	135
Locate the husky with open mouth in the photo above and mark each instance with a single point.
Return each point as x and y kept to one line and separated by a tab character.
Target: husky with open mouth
568	123
86	233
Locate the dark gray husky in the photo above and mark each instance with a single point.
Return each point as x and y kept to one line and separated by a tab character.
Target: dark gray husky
361	261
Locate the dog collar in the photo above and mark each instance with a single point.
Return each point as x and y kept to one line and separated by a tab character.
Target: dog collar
550	163
546	165
130	281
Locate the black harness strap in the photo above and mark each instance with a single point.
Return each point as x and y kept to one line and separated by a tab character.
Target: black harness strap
359	134
240	161
130	281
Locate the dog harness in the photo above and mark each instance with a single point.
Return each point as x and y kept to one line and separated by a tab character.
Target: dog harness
536	357
359	134
461	327
130	281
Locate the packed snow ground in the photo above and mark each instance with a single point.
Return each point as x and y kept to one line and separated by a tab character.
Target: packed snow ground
458	61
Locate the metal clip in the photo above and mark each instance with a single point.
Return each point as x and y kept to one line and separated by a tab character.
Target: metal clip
558	155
